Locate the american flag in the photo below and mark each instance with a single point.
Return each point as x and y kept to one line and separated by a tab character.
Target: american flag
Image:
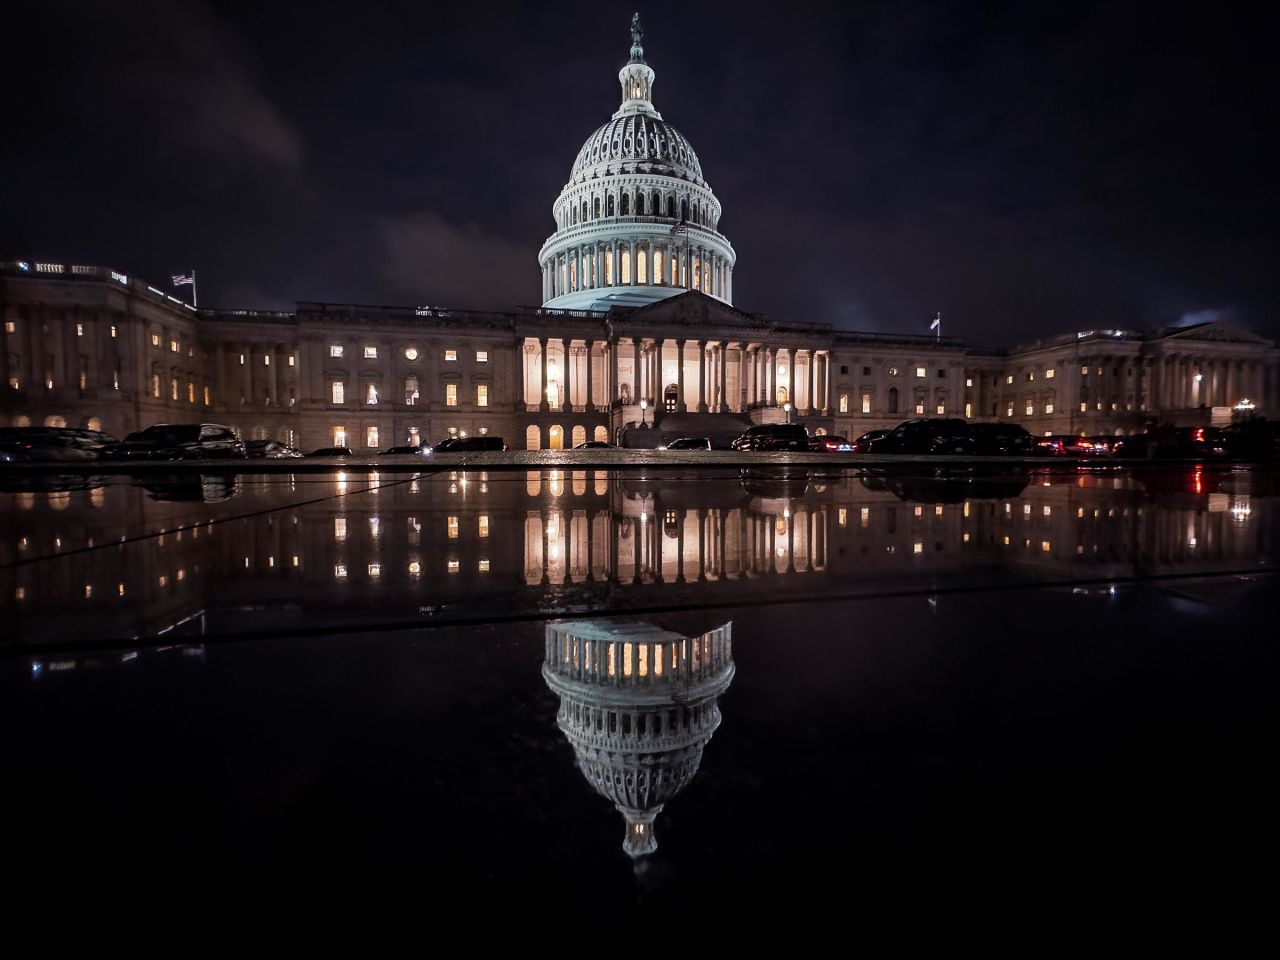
937	322
680	228
181	281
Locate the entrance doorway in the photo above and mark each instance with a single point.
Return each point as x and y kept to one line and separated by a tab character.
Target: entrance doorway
671	397
556	438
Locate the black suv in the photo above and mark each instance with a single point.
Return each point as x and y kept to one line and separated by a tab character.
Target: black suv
1000	440
773	436
179	441
925	436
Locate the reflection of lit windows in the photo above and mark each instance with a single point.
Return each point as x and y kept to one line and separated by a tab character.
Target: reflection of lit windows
484	524
452	524
483	566
375	527
339	528
454	566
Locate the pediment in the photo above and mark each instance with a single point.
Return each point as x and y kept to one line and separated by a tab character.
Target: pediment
1216	331
695	309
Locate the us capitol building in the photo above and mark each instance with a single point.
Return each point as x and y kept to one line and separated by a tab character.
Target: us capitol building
637	330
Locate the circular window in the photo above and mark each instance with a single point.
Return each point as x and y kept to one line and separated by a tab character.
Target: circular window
411	353
893	371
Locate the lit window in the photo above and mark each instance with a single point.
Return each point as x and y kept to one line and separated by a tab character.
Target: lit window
483	566
893	371
155	384
191	391
843	516
1084	370
338	391
452	524
1048	374
15	383
339	571
411	353
1030	409
1030	377
453	566
371	394
173	389
968	381
206	396
920	373
450	394
450	356
11	327
866	403
920	409
942	408
844	403
339	529
411	395
173	346
79	330
335	350
1009	411
1009	379
113	331
1048	408
371	353
339	436
242	359
155	339
968	410
482	395
1083	406
484	524
375	569
482	356
370	436
266	359
293	361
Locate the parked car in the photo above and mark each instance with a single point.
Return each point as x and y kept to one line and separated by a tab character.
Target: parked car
1000	440
1071	445
1175	443
689	443
331	452
863	443
269	450
469	444
925	436
179	441
773	436
830	443
595	445
48	445
402	451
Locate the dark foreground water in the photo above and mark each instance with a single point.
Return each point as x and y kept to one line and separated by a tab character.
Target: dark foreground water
602	696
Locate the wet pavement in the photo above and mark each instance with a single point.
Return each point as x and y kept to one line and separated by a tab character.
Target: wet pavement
640	689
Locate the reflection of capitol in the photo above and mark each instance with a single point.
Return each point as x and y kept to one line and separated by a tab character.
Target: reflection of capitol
638	704
72	563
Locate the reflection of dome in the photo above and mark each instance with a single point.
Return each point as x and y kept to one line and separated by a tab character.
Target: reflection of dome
638	704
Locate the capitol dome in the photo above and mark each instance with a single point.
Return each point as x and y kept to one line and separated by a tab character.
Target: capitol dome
636	222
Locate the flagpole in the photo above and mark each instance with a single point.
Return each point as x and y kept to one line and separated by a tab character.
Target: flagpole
194	303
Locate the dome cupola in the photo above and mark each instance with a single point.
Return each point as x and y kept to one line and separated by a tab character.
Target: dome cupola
636	222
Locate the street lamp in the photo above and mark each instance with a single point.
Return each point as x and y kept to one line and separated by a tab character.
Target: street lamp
787	408
644	404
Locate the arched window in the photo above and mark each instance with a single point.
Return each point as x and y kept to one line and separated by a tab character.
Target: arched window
783	396
596	209
655	206
893	399
657	266
626	204
532	439
609	206
556	437
625	256
671	207
579	435
642	266
639	204
684	209
573	216
337	391
601	435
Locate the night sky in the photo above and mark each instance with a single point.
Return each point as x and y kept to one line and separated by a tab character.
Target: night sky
1025	169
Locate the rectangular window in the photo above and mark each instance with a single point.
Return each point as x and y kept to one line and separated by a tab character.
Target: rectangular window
866	371
968	381
191	391
450	394
293	361
844	403
242	359
411	395
452	525
370	436
337	394
10	326
1048	408
173	389
866	403
155	339
450	356
1083	406
336	350
266	359
206	396
115	378
1030	409
1084	370
919	409
942	409
1030	376
371	394
968	411
155	384
942	374
482	356
1048	374
371	353
173	346
453	566
1009	379
113	331
79	329
921	373
483	566
15	383
484	525
1009	411
482	394
339	436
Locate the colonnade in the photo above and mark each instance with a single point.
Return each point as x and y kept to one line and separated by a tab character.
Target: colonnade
640	262
1188	380
720	377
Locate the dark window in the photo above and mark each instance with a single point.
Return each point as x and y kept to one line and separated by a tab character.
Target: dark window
866	371
942	374
893	399
844	370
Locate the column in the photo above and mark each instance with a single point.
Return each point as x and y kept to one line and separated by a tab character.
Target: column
635	370
825	359
722	404
813	382
702	376
634	271
680	404
542	398
591	398
792	393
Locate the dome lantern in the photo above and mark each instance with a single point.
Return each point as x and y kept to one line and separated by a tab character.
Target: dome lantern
637	78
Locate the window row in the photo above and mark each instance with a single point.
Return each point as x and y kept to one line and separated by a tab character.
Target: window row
639	203
409	353
372	435
411	393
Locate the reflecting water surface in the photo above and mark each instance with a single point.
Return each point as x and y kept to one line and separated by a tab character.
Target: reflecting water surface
1002	681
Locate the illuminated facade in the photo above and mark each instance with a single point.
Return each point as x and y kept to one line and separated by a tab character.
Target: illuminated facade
637	329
